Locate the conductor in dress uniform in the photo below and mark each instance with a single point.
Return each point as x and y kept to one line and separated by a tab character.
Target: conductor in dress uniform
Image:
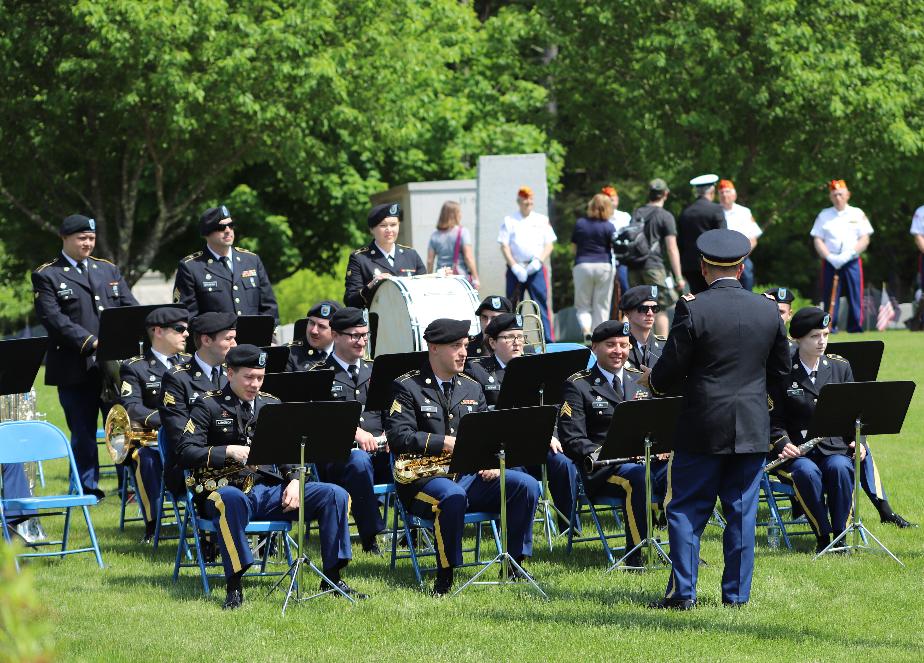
725	347
423	419
223	278
70	292
700	216
382	259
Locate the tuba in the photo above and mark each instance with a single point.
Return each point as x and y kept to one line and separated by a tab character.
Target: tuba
121	438
411	467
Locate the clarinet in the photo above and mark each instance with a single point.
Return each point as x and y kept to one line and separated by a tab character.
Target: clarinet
590	464
381	442
803	448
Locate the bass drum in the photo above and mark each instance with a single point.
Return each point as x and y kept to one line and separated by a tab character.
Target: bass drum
406	305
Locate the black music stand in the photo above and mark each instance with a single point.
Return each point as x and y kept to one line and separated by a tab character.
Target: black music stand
300	386
281	438
385	370
640	428
869	408
864	357
276	358
121	331
20	359
255	329
537	380
484	443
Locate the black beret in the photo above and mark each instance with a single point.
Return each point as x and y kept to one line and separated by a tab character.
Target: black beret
635	296
349	317
211	219
323	309
77	223
445	330
609	329
503	322
246	356
166	315
807	319
723	247
212	323
782	295
495	303
381	212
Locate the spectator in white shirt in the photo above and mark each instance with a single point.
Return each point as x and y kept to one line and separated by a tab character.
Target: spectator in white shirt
739	218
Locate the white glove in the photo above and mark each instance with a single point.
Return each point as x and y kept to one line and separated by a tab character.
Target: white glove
835	260
520	272
534	266
847	256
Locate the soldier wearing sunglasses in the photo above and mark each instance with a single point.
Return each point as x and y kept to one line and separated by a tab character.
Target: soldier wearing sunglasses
640	306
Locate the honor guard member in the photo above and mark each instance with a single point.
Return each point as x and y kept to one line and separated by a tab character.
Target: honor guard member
222	278
70	292
526	239
725	347
423	420
350	327
841	234
218	436
318	342
700	216
640	306
213	335
382	259
784	298
167	329
489	308
505	342
588	403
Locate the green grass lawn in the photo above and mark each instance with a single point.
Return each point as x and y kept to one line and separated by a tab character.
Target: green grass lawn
863	607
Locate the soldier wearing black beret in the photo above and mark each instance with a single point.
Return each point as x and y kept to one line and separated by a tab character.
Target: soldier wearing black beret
489	308
726	347
784	298
217	435
317	343
167	329
423	419
382	259
70	291
640	306
223	278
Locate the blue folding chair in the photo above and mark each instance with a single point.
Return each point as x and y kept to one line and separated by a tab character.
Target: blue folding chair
772	491
28	441
191	525
166	500
584	505
127	491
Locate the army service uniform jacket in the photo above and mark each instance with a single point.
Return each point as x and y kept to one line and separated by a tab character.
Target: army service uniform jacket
68	304
140	391
302	357
488	373
344	389
368	261
649	357
181	386
204	284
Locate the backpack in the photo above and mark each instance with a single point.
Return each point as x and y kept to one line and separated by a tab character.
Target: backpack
630	243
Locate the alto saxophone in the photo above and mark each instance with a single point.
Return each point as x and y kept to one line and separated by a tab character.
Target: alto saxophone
411	467
205	480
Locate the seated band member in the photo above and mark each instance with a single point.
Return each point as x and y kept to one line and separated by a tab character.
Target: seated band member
218	435
823	477
640	306
382	259
167	329
505	341
423	419
489	308
588	402
870	480
213	335
318	343
350	328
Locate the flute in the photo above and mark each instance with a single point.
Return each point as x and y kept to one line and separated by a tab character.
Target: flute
803	448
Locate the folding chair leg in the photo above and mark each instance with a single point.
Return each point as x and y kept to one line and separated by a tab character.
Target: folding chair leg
182	545
197	539
606	544
394	538
93	541
41	474
67	530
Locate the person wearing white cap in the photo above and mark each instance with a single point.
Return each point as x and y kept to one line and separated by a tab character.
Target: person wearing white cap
701	215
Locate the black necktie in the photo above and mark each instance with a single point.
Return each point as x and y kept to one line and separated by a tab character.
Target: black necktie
353	370
226	261
617	385
447	391
247	409
813	375
391	260
216	377
173	360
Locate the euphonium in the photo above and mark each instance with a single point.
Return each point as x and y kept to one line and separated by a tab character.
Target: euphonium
121	438
205	480
411	467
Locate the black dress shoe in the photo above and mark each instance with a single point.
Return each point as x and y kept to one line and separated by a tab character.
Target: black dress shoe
343	587
895	519
822	542
96	492
371	546
734	604
515	574
673	604
148	533
234	599
443	583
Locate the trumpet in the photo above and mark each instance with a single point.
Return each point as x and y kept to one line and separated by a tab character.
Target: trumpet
806	446
121	438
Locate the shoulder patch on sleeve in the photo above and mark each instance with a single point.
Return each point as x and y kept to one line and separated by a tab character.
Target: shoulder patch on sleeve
190	427
579	375
191	256
126	389
689	297
169	399
565	409
395	408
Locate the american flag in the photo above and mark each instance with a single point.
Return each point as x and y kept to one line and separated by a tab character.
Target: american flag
886	312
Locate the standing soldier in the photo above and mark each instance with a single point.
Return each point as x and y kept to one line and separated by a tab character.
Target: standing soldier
70	292
222	278
700	216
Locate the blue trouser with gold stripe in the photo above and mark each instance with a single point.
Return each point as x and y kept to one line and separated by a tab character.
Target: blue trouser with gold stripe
356	476
147	468
694	481
823	485
869	479
446	501
230	510
627	481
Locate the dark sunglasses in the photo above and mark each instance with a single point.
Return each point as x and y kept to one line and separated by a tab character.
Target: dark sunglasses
226	226
179	329
644	308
